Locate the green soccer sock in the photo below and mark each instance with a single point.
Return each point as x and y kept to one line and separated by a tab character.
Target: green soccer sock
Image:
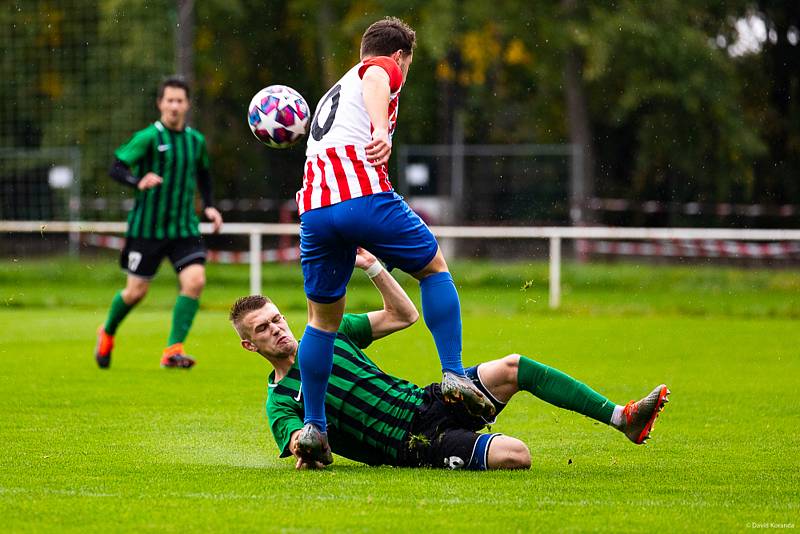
182	317
116	314
560	389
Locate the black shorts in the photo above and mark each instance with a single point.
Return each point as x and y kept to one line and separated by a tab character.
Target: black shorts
141	257
445	435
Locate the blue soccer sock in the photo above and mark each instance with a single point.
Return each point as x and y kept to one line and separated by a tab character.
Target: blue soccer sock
315	357
441	310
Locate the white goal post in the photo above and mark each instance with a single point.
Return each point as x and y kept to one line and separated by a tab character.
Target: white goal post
553	233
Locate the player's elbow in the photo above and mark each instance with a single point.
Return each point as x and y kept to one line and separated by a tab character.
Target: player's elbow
410	316
404	316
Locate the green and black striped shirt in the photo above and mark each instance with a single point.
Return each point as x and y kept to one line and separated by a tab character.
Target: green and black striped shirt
165	211
369	412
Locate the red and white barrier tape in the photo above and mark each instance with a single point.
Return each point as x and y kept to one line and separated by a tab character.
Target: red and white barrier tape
692	248
675	248
216	256
694	208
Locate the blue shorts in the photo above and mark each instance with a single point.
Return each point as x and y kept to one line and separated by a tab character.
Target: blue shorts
381	223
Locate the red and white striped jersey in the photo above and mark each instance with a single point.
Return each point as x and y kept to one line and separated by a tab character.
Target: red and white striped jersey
336	167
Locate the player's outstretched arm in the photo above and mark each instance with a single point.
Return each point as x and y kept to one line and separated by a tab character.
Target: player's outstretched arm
398	311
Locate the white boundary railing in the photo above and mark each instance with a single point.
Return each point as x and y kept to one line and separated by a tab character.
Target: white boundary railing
553	233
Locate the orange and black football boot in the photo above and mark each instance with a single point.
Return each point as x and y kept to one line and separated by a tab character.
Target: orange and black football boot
639	417
102	351
174	357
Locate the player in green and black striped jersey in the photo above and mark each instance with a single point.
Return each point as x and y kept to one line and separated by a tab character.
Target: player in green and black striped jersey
166	163
371	412
165	209
377	418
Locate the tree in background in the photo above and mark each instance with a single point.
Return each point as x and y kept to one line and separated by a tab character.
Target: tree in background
770	78
667	104
77	74
669	112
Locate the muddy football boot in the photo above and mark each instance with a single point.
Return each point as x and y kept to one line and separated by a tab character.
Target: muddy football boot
457	388
312	445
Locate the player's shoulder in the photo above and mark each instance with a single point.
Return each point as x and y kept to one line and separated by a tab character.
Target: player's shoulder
356	329
346	347
277	395
195	133
349	78
149	131
286	389
385	64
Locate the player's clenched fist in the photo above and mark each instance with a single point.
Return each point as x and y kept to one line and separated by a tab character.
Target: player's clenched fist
379	149
149	181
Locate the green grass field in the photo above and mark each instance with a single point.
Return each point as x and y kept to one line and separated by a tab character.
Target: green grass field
140	448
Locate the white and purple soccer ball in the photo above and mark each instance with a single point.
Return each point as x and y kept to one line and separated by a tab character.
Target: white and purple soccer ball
278	116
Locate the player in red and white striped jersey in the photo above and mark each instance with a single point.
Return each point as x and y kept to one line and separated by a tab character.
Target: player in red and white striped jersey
337	167
347	201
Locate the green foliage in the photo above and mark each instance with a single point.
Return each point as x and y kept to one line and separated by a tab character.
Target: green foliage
89	73
654	72
674	116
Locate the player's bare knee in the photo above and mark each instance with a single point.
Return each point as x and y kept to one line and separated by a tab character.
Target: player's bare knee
522	457
134	295
193	285
506	452
518	455
511	368
196	285
411	317
326	317
436	265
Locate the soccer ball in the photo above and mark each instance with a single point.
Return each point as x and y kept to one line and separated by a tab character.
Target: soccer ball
278	116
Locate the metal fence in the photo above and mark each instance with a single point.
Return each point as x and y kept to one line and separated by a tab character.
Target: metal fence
81	75
462	184
554	235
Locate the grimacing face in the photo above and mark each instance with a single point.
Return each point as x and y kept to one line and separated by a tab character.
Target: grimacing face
267	333
173	107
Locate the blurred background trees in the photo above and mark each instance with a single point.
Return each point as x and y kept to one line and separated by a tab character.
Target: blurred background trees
669	101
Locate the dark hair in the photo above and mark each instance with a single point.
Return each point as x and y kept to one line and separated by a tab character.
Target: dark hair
245	305
387	36
173	81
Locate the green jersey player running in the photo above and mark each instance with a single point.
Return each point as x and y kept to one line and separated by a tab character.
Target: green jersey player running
165	163
376	418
